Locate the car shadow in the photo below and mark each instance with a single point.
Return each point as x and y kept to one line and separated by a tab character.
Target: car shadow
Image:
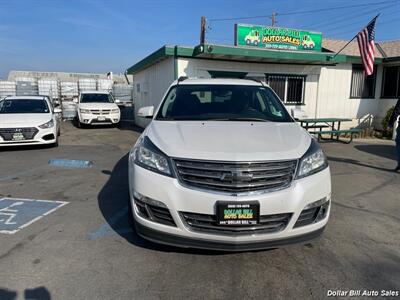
26	148
41	293
357	163
113	201
123	125
386	151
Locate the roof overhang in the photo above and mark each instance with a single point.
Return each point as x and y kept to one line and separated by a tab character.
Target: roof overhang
245	54
248	54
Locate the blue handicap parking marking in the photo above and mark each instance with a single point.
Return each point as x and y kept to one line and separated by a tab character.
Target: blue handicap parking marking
16	214
71	163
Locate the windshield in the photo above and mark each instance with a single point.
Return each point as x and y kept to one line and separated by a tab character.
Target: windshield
96	98
23	106
223	103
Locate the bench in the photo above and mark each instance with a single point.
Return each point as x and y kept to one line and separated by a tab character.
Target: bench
315	126
338	133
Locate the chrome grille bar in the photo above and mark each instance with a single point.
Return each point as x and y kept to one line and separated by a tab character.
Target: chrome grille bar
235	177
208	224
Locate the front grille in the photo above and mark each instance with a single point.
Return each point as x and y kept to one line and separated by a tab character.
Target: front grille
208	224
100	112
232	177
28	132
154	213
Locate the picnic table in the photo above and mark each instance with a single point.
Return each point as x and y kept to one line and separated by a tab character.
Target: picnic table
331	126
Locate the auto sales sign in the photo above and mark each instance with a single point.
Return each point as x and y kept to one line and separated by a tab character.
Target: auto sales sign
277	38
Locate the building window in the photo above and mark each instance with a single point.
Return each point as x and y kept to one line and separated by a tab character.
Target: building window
362	86
391	82
290	88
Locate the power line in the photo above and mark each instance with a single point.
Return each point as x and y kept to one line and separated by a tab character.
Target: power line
358	22
355	30
351	17
338	7
304	11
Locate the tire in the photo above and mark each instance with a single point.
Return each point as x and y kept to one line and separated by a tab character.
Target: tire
131	218
78	123
255	43
55	145
248	42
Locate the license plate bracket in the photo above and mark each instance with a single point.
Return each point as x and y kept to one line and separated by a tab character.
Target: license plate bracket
238	213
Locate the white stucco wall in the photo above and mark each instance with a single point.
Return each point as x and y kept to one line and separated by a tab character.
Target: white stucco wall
153	81
334	98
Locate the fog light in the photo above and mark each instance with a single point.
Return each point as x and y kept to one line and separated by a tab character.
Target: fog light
316	203
313	212
323	211
148	200
115	120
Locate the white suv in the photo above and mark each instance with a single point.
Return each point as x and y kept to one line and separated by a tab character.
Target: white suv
223	166
97	108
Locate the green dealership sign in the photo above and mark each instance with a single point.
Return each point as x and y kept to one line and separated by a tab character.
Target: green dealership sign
277	38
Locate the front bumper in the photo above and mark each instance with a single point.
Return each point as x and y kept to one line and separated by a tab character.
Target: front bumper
178	198
92	119
42	137
184	242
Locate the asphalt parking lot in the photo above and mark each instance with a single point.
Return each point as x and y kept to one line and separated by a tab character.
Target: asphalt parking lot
85	249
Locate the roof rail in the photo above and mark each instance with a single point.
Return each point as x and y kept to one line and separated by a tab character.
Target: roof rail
254	79
182	78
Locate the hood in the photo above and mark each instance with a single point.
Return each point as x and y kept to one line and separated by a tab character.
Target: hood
98	106
23	120
229	141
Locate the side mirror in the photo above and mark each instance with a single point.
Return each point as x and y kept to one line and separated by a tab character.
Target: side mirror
146	112
75	100
57	110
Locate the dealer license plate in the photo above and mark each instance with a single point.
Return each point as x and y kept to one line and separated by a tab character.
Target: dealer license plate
238	214
101	118
18	136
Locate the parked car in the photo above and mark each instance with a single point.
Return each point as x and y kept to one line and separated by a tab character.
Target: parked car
28	120
97	108
223	165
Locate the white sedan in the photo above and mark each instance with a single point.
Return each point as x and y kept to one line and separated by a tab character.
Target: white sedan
28	120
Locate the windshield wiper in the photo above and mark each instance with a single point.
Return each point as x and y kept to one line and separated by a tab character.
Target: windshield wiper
240	119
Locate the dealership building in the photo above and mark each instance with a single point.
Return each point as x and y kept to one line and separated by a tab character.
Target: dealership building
314	81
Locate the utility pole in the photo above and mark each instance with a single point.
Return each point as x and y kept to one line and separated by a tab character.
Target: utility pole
203	30
273	19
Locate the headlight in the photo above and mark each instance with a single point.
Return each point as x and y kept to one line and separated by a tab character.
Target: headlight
84	111
49	124
148	156
115	111
313	161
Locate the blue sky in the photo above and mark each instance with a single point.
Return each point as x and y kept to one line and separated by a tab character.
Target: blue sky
104	35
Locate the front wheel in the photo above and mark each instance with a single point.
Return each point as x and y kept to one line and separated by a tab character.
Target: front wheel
78	123
55	144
